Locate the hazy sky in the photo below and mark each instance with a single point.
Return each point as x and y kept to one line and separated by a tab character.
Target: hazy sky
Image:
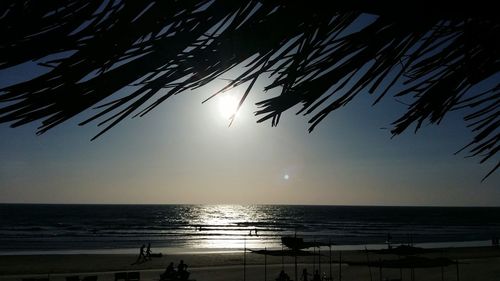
184	152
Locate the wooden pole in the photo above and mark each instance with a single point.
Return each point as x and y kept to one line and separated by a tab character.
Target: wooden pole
330	247
380	269
314	259
458	272
369	265
319	259
340	265
265	264
400	270
282	257
245	259
442	268
295	266
295	251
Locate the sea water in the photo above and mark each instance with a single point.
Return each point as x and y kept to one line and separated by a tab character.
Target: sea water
124	228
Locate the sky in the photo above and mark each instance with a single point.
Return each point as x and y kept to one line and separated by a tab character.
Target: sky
185	152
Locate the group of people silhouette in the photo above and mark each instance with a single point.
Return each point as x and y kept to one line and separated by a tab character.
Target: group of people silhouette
171	274
304	277
250	233
283	276
144	255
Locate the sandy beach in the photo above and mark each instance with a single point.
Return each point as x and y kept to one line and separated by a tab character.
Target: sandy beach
474	263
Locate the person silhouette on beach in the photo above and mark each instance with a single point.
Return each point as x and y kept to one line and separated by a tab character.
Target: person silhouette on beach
283	276
182	270
148	252
169	272
182	266
141	256
304	276
316	276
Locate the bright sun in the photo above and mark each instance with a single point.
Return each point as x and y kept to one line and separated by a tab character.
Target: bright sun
227	106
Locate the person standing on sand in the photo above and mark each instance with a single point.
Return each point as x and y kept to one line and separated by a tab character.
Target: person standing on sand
169	272
304	276
283	276
148	252
141	256
389	239
182	272
316	276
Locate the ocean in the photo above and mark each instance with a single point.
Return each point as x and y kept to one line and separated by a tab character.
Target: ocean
33	228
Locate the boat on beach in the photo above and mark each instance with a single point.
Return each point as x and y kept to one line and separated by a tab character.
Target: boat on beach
298	243
407	262
403	250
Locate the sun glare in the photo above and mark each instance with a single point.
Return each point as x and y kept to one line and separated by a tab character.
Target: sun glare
227	106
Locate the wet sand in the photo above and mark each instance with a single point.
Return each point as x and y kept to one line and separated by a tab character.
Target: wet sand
474	263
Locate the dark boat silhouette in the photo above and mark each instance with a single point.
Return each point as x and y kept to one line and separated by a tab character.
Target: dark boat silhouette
407	262
298	243
403	250
280	253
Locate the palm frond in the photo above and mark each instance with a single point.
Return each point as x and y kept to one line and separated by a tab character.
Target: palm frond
318	54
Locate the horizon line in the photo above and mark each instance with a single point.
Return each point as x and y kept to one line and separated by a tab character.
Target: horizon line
256	204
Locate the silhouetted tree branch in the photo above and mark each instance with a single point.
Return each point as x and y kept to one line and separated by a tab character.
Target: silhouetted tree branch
320	54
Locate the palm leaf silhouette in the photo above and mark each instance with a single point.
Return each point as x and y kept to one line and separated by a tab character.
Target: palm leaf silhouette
319	54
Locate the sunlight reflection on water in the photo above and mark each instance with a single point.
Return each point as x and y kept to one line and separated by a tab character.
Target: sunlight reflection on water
232	226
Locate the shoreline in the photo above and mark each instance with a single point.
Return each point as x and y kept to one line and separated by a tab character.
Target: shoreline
191	251
209	266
